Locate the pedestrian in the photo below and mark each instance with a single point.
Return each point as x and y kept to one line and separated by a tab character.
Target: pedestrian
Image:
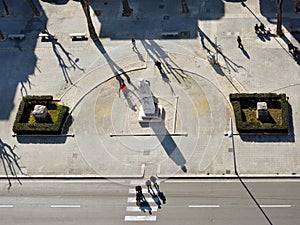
295	52
158	65
290	46
239	41
262	27
256	28
133	44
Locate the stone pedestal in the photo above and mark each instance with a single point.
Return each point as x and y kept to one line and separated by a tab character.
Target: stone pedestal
262	112
40	112
149	111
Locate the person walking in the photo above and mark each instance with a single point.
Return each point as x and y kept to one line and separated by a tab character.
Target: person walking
290	46
158	65
133	44
239	41
262	27
256	28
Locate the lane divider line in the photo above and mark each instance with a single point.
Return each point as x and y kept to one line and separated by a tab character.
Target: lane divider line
204	206
65	206
6	206
275	206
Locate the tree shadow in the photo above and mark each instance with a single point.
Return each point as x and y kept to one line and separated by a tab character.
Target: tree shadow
115	68
169	144
289	22
64	67
156	53
56	2
156	16
10	162
18	58
230	65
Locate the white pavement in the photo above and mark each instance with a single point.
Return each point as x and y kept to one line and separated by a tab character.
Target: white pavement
195	94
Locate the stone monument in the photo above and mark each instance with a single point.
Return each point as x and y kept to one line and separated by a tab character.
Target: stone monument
40	112
262	112
149	110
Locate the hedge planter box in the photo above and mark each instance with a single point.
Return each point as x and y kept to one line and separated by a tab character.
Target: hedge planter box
245	111
26	123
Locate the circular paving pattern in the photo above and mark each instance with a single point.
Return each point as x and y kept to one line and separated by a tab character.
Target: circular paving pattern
112	130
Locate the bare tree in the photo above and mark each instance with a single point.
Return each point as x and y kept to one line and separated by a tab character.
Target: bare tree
279	17
185	9
127	11
34	8
86	8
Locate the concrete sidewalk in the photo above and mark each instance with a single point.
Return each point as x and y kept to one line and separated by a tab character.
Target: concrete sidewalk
108	141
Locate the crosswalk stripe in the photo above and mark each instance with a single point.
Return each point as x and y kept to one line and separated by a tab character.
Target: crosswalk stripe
140	218
134	200
133	191
137	209
141	182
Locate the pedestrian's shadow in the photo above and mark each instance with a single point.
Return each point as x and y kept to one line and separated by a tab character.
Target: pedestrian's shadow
156	186
245	53
145	206
10	162
169	145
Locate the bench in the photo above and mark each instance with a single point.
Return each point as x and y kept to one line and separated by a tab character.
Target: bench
45	36
16	36
170	34
78	36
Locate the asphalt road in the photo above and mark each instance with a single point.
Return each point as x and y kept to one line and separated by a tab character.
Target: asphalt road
187	202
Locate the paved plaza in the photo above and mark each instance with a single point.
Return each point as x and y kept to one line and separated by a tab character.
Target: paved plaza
104	137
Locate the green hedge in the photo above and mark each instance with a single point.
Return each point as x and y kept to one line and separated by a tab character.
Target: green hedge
256	127
21	125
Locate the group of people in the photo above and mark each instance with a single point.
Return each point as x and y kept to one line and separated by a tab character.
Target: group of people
261	29
157	196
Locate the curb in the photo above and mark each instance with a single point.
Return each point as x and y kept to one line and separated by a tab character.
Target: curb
200	177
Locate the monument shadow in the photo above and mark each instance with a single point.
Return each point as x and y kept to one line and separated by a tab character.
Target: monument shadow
169	144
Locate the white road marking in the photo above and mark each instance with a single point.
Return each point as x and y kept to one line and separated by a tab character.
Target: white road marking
141	182
275	206
133	191
234	180
134	200
65	206
140	218
204	206
6	206
137	209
